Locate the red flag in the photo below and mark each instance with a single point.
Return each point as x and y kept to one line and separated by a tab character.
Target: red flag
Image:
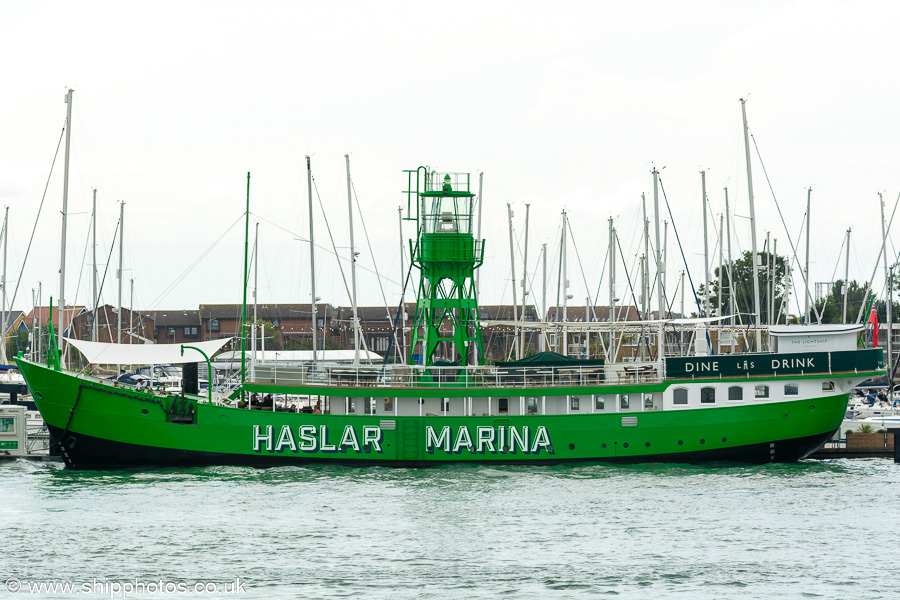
873	319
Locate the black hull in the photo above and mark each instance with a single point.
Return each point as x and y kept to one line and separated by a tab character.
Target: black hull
87	452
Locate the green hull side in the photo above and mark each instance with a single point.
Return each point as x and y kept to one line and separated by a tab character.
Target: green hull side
127	417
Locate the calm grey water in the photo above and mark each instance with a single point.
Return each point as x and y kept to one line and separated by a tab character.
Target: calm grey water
812	529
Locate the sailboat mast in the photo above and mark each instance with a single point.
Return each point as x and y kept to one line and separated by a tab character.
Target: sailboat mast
512	266
65	214
255	304
95	326
731	304
660	259
773	318
40	323
645	274
121	272
131	308
312	262
721	262
403	284
887	283
524	276
705	248
3	357
544	294
612	288
755	257
806	265
480	204
846	285
565	278
244	285
352	268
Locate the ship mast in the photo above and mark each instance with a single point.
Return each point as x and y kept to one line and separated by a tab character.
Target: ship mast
312	262
120	274
255	300
95	326
612	290
512	266
660	259
402	313
62	245
352	268
565	286
544	295
244	284
705	248
806	265
755	261
887	282
846	275
524	279
3	358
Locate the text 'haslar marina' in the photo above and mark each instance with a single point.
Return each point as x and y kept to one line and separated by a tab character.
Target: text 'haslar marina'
479	440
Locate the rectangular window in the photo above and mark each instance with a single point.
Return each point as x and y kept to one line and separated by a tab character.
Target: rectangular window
707	395
599	403
503	405
574	402
369	406
648	401
388	405
790	389
445	404
827	386
187	331
213	324
623	402
171	332
680	396
735	392
532	405
761	391
351	406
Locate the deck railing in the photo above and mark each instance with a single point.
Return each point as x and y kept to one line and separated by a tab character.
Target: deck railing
471	377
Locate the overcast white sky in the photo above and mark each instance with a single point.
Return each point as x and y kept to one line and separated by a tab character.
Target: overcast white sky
563	105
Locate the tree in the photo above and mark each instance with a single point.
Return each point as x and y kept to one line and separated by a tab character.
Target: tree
831	307
15	342
742	273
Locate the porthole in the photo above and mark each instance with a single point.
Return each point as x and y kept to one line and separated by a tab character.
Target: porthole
647	444
571	446
603	446
681	442
144	411
702	441
724	440
625	445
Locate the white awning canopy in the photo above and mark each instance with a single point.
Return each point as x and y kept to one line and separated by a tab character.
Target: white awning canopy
145	354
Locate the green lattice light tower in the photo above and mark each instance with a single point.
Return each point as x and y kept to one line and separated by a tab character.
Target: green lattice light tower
447	254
